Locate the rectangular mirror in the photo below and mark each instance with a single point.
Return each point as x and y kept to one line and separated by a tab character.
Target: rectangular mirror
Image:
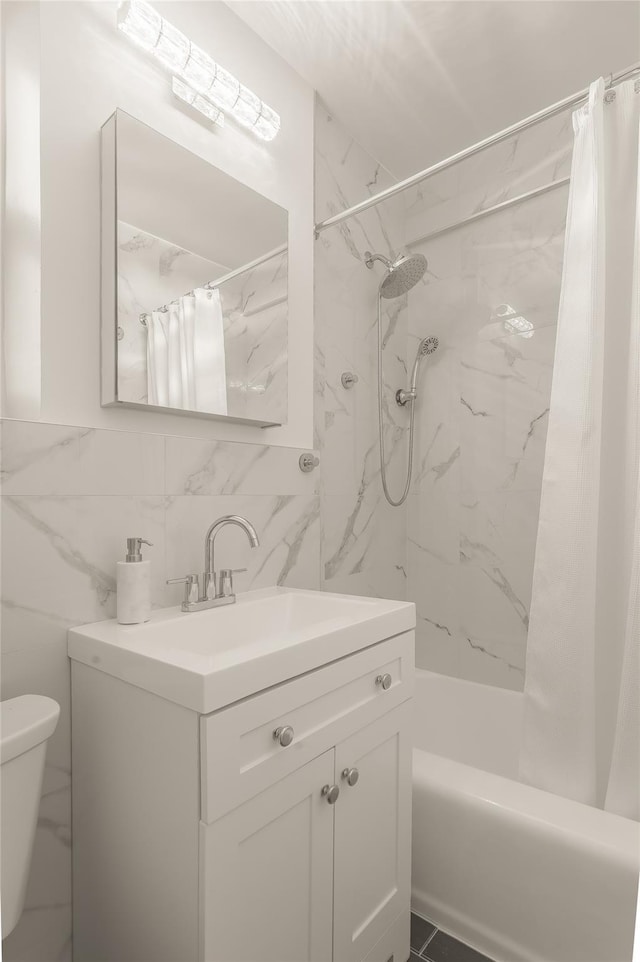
194	283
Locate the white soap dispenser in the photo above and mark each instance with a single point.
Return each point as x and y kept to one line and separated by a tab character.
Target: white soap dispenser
133	581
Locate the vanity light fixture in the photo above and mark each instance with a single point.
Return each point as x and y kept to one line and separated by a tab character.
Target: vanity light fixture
190	96
146	28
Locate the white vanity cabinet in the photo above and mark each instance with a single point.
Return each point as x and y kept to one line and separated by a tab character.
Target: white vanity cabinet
319	880
207	838
267	869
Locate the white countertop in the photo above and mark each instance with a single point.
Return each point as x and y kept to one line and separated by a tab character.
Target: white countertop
209	659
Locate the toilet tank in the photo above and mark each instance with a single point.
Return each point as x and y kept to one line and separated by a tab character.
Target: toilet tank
26	723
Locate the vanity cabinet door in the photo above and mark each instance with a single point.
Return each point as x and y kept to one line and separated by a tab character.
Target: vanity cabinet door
267	873
372	835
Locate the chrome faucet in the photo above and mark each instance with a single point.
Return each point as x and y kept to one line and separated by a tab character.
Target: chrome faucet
216	591
209	577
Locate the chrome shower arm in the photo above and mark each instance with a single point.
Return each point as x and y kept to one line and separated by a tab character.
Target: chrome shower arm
369	259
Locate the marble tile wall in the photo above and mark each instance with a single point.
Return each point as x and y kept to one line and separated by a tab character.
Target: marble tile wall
484	399
463	545
363	539
70	497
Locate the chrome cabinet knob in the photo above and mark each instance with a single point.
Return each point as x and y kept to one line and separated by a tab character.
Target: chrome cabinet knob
284	735
351	776
384	681
330	792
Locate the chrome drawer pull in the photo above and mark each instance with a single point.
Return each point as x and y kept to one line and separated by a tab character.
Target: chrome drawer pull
351	776
384	681
330	792
284	735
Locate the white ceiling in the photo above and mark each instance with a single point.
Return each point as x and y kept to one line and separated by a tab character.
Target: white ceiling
417	80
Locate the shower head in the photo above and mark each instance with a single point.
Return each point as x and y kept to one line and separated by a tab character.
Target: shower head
428	345
402	274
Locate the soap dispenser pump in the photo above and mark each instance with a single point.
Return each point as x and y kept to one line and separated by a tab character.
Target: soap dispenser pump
133	581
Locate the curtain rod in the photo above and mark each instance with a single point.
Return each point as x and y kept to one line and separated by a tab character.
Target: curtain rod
214	285
265	307
487	211
505	134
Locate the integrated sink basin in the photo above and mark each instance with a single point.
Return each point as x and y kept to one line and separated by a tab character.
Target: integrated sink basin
208	659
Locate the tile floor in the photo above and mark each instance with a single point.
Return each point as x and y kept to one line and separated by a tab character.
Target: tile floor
429	942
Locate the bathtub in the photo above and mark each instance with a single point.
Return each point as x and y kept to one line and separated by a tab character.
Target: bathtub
518	873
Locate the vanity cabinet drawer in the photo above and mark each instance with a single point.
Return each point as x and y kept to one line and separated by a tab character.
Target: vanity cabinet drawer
240	753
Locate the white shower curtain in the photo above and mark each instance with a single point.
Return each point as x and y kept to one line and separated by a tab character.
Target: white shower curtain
581	735
186	356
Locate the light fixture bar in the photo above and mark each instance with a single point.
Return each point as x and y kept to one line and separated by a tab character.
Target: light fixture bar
145	27
190	96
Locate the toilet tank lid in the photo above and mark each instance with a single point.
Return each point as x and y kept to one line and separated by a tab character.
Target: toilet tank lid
25	722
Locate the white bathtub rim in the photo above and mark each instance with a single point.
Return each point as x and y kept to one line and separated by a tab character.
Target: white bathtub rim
613	834
500	931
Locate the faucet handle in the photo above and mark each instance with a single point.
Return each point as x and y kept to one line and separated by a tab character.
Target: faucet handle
209	590
192	588
226	580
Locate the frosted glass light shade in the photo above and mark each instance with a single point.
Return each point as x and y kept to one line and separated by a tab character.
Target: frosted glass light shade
268	123
199	70
224	87
172	48
142	24
197	101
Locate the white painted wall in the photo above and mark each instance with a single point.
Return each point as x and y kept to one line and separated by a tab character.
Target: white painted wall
20	231
87	70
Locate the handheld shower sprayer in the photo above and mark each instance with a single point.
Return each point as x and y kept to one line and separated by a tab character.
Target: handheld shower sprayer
428	345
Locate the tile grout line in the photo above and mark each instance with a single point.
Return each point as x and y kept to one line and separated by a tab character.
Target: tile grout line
435	932
436	929
425	944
